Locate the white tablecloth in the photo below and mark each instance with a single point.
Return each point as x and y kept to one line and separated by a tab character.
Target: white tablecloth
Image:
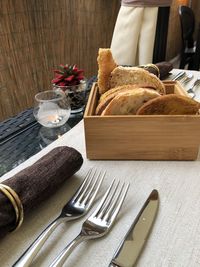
174	241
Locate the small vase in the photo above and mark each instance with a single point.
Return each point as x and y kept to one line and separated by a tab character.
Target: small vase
76	95
51	109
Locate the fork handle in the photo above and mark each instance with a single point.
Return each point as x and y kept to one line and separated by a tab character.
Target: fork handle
64	254
27	257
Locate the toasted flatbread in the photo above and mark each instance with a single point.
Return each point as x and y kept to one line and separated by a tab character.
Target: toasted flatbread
133	75
171	104
128	102
125	87
106	65
107	97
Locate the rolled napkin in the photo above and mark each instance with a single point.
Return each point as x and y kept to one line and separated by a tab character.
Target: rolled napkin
37	182
164	68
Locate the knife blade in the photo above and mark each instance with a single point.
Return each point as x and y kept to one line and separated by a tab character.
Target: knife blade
133	242
179	75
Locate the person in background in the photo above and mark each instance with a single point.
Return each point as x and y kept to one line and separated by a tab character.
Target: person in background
134	33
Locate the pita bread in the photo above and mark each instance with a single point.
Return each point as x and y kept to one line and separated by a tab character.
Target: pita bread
171	104
110	94
124	87
133	75
128	102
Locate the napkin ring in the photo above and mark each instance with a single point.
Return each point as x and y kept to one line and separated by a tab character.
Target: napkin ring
153	66
16	203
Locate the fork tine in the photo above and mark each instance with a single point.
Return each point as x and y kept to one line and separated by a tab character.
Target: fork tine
185	80
103	200
83	185
116	205
197	82
93	191
106	205
182	79
87	186
112	203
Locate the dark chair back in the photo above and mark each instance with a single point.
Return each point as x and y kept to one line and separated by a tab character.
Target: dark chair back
187	25
187	20
196	56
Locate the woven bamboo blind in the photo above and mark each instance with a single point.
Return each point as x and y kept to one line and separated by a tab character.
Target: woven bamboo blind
37	35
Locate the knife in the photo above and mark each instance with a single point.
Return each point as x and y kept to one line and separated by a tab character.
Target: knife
179	75
132	244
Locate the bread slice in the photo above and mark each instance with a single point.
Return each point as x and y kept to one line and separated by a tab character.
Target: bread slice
171	104
128	102
125	87
110	94
133	75
106	65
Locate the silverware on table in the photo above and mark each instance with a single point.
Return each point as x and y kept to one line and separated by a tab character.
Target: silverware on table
132	244
191	91
179	76
75	208
187	78
99	223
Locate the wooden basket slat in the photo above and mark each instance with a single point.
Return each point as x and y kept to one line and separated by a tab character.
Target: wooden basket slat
150	137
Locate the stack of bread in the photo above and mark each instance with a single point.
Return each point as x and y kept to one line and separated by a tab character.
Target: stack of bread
135	91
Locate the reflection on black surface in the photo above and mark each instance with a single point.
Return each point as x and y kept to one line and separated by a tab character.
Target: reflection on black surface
19	148
30	141
48	135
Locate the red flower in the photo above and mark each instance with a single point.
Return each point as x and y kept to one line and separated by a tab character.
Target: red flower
62	84
70	78
67	75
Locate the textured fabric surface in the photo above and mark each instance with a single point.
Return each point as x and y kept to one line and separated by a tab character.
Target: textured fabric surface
174	239
148	3
165	68
134	35
38	182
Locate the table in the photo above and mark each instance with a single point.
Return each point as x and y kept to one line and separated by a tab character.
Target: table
22	136
21	141
174	241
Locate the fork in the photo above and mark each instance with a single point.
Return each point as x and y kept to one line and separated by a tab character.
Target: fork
99	223
187	78
191	91
75	208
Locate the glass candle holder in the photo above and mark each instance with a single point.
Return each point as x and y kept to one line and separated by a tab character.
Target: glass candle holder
52	108
76	95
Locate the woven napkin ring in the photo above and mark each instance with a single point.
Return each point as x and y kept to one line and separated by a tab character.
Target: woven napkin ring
16	203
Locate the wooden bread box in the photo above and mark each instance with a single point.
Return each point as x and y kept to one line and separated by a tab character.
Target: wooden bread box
144	137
